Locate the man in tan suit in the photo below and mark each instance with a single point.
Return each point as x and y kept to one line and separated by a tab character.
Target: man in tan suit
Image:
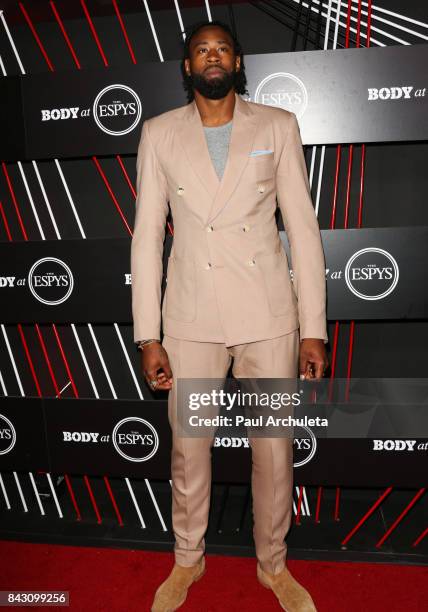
223	164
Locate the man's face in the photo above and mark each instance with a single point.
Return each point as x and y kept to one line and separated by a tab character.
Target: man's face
212	65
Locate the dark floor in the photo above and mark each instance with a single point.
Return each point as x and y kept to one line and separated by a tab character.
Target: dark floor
230	524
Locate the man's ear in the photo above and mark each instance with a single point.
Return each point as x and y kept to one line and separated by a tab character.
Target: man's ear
187	66
238	63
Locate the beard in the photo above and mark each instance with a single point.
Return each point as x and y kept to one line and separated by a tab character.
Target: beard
214	88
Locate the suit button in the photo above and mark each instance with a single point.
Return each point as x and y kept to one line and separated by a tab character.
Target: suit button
180	191
246	228
252	262
261	188
209	228
208	266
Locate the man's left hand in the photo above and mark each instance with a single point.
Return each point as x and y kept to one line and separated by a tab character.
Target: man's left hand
313	360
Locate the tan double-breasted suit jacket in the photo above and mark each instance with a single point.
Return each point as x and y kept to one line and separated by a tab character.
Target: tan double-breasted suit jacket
228	277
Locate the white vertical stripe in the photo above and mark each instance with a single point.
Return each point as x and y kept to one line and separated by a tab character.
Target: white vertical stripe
128	361
311	173
180	21
155	505
85	361
320	176
153	30
321	169
207	6
134	499
3	69
18	59
70	199
3	386
30	197
21	494
306	503
58	507
36	493
336	28
63	389
327	25
101	358
3	488
48	206
15	369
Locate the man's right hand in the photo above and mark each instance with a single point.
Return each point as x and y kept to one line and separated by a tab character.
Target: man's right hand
155	366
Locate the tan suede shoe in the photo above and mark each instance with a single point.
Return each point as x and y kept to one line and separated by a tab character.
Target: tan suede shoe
291	595
172	592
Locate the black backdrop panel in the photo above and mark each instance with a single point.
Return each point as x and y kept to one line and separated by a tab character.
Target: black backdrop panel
133	438
130	437
357	95
371	274
23	443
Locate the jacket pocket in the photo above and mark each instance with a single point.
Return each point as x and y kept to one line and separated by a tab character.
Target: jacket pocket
261	167
181	290
276	276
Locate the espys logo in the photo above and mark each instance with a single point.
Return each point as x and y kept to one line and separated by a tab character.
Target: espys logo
284	90
7	435
50	281
304	447
117	110
135	439
371	273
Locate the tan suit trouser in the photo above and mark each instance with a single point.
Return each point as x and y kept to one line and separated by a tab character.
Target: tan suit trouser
272	458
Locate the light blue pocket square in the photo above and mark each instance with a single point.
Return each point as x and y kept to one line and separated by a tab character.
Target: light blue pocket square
258	152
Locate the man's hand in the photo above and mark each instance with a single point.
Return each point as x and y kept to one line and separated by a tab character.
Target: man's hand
155	366
313	360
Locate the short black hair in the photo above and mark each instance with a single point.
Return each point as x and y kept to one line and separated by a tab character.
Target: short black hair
241	79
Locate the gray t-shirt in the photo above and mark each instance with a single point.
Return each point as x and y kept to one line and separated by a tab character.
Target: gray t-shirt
218	145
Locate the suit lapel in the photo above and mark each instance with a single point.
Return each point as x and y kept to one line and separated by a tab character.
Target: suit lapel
193	141
241	139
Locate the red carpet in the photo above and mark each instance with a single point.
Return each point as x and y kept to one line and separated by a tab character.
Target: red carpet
125	580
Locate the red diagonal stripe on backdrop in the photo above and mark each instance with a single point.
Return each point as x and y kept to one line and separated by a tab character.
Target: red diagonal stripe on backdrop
400	517
94	32
36	36
15	203
65	361
63	30
113	197
366	516
48	362
92	497
126	175
30	361
113	501
125	34
6	224
420	537
73	497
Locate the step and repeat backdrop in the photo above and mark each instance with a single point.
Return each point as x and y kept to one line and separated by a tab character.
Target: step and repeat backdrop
351	96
